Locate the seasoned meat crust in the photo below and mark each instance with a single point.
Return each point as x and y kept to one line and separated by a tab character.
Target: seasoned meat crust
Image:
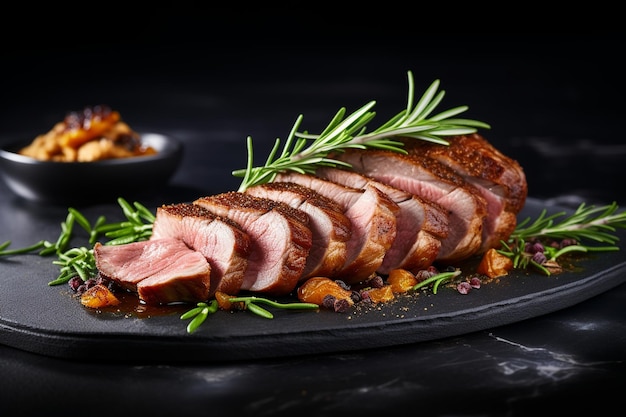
372	216
435	182
279	235
330	228
224	244
420	224
475	158
500	179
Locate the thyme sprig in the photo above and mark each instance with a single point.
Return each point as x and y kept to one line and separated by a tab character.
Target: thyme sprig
80	260
303	152
202	310
586	225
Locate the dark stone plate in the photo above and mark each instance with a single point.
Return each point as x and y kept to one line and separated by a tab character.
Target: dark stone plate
48	320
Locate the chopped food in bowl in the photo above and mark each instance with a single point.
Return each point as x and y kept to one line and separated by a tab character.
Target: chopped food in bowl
91	156
93	134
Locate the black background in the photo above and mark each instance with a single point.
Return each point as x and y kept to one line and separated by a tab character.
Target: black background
253	74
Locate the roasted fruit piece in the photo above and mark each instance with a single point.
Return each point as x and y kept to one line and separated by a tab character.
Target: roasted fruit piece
98	296
315	289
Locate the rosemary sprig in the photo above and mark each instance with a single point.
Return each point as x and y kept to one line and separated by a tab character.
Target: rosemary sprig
251	303
436	280
199	314
80	260
585	225
202	310
596	223
303	152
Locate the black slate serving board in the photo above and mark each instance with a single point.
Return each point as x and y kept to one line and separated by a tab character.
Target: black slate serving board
48	320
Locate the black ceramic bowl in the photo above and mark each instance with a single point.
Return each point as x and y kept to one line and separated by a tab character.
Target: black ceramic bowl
87	182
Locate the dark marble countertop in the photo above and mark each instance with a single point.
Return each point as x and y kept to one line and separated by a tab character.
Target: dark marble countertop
554	104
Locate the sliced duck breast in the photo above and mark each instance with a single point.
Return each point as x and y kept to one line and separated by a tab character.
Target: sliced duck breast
160	271
183	280
279	236
421	224
222	241
434	181
372	216
330	228
500	180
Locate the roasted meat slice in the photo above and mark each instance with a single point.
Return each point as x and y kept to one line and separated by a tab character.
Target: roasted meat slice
421	224
433	181
330	228
372	218
279	235
161	271
500	179
222	241
183	280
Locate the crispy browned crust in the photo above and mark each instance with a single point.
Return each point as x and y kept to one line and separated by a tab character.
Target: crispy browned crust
324	260
237	203
474	156
248	202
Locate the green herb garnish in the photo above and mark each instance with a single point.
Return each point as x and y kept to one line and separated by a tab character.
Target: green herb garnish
303	152
80	260
436	280
585	225
199	313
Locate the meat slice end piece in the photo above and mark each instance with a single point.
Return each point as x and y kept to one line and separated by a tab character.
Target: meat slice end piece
222	241
161	271
186	279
